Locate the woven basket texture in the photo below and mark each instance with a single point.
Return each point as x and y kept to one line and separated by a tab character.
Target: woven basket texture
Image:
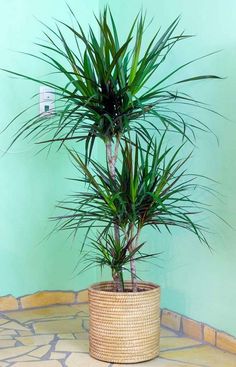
124	327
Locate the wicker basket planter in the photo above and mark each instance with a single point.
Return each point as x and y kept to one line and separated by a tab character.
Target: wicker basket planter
124	327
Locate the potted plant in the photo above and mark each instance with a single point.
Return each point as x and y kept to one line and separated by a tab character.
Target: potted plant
111	93
150	188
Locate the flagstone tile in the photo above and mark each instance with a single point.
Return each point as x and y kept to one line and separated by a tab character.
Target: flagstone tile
41	299
15	352
42	313
83	335
226	342
7	343
82	296
8	303
4	364
25	332
86	325
81	308
203	355
40	352
77	359
171	319
66	336
35	339
57	355
58	327
174	343
24	358
167	332
157	362
39	364
6	337
7	332
72	346
3	321
14	325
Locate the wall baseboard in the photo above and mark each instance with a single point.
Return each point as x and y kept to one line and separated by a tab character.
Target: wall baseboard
181	324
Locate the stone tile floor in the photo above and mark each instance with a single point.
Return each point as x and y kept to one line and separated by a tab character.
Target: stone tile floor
57	336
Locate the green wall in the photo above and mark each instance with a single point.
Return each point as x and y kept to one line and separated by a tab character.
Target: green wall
31	184
194	281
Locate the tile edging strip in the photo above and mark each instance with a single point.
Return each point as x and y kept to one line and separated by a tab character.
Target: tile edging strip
172	320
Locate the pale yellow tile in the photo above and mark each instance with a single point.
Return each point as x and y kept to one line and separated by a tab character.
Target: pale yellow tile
157	362
42	313
4	364
23	359
5	343
226	342
35	339
171	319
203	355
14	352
13	326
45	298
167	332
82	296
58	327
38	364
40	352
72	346
25	332
3	321
66	336
7	332
82	335
57	355
173	343
8	303
77	359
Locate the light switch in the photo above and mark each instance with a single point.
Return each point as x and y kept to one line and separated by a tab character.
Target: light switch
47	101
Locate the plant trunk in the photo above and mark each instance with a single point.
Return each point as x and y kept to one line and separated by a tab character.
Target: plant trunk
118	281
132	246
111	161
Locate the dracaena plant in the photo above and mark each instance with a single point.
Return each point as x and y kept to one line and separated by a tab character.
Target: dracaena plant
111	90
150	188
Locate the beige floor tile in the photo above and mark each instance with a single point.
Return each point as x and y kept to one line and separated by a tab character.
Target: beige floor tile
13	326
23	359
58	327
25	332
7	332
72	346
35	339
14	352
167	332
4	364
174	343
81	308
4	337
83	335
157	362
57	355
42	313
7	343
38	364
202	355
3	321
66	336
77	359
40	352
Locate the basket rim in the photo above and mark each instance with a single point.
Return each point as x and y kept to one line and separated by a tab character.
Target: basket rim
95	288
